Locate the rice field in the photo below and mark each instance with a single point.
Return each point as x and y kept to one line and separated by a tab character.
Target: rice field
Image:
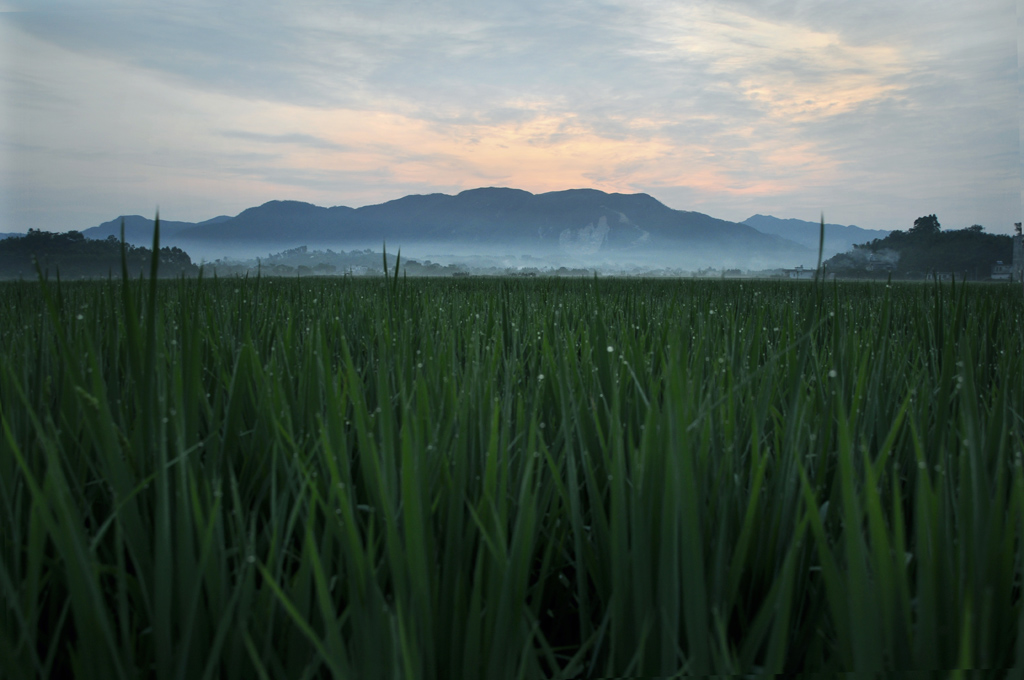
328	477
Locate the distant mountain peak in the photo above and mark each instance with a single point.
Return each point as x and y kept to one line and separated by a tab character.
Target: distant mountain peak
492	190
838	238
286	202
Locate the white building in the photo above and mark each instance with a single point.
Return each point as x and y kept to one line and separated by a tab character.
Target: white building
799	272
1001	272
1018	254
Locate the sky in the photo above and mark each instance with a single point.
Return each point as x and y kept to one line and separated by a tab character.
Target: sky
872	112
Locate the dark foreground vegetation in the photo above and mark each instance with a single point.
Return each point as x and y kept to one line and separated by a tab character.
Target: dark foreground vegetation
507	478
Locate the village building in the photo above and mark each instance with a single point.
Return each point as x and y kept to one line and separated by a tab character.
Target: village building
799	272
1018	254
1001	272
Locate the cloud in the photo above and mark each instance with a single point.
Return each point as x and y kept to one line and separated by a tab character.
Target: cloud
291	138
870	109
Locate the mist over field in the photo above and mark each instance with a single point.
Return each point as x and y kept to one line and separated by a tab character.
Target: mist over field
476	257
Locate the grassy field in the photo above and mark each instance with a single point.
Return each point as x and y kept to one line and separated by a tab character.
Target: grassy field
507	478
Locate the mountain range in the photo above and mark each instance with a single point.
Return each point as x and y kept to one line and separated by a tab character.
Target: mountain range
582	225
838	238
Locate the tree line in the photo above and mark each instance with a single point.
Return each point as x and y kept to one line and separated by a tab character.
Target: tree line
925	250
72	255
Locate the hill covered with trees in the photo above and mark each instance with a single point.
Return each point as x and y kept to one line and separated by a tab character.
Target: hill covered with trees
73	256
925	250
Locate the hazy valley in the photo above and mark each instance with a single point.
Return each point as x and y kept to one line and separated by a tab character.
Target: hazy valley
505	229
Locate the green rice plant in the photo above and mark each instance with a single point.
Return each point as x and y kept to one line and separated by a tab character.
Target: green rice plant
336	477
